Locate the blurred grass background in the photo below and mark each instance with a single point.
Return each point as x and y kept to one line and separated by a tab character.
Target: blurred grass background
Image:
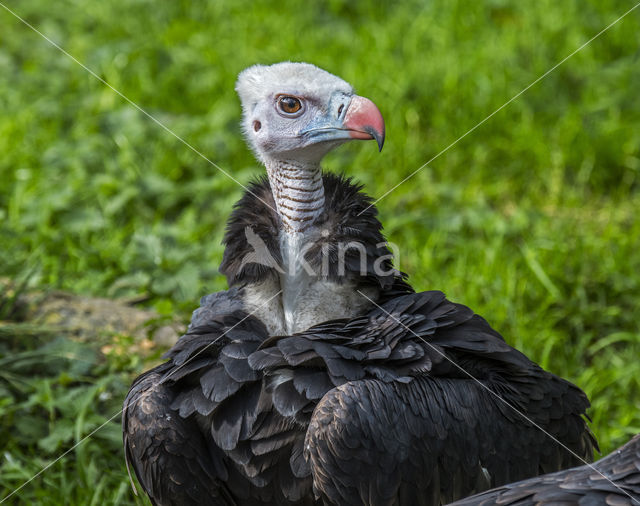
531	220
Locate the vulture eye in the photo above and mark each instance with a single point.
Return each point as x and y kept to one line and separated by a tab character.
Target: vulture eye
289	105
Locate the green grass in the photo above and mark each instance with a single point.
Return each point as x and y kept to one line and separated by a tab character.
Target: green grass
54	391
531	220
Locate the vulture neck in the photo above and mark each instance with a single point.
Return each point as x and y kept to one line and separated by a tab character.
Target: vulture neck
298	192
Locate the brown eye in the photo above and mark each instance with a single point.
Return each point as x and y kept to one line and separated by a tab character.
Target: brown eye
289	105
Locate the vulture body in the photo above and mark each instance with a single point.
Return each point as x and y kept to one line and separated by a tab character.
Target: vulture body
613	480
320	376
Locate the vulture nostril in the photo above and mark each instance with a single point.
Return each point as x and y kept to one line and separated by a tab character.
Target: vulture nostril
257	126
340	109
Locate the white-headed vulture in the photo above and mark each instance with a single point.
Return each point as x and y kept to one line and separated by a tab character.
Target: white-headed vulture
320	376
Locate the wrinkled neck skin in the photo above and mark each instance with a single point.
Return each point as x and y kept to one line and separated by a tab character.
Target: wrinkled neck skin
298	191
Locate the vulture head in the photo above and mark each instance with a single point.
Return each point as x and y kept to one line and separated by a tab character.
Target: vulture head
296	111
293	115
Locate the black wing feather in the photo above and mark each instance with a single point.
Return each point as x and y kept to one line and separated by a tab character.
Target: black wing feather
157	441
613	480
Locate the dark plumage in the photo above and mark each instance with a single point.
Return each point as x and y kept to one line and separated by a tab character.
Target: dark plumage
347	217
173	459
613	480
361	411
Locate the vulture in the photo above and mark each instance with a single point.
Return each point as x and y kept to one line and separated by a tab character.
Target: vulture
613	480
320	377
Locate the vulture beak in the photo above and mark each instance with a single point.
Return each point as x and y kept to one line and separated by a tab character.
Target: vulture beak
357	118
364	120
